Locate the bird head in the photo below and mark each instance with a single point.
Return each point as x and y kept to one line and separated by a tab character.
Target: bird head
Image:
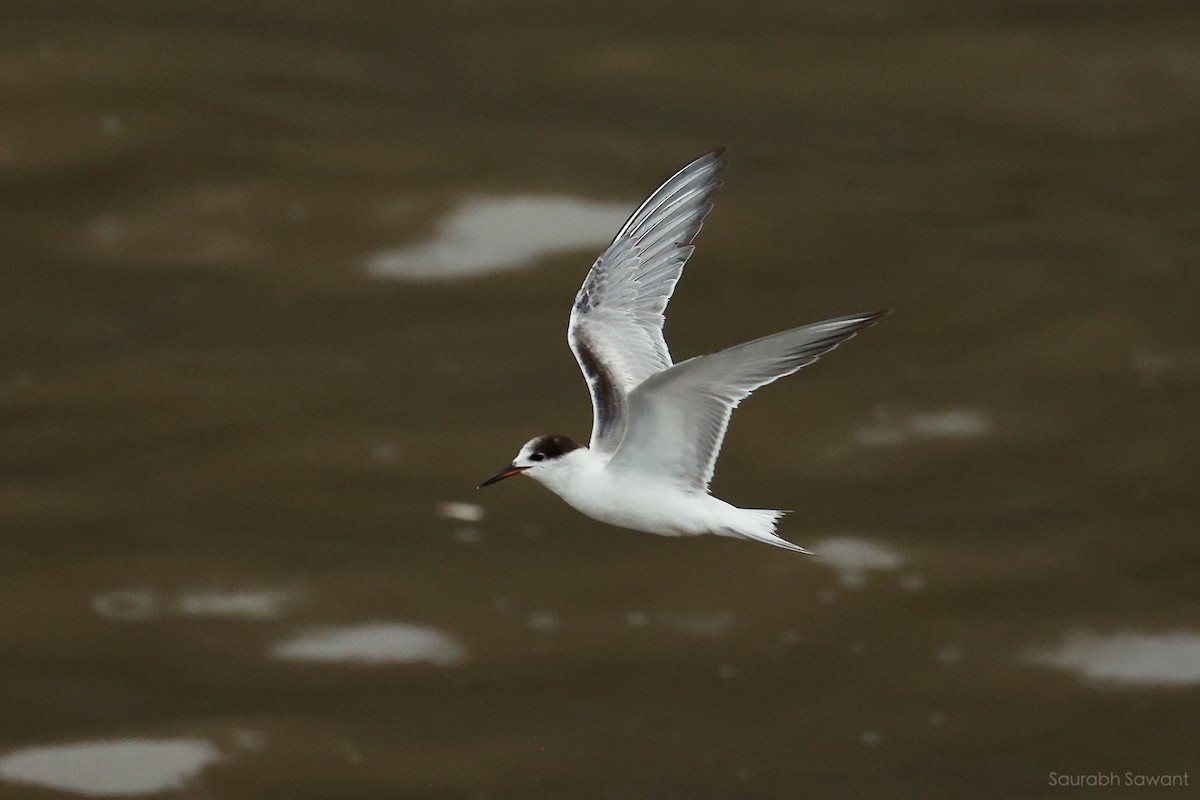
538	456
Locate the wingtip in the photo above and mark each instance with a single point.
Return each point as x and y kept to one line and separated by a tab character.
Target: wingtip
868	318
875	316
795	548
714	157
859	321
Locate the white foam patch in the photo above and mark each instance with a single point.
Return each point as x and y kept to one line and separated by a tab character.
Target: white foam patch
492	234
462	512
1129	658
103	769
259	605
377	643
854	558
888	430
143	605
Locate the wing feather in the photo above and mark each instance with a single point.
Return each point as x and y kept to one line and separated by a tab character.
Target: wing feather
678	417
616	323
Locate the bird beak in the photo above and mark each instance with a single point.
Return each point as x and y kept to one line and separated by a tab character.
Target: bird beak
507	472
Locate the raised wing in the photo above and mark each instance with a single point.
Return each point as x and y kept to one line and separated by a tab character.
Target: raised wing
677	418
616	323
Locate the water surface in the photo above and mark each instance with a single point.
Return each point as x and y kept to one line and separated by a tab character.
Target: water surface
275	298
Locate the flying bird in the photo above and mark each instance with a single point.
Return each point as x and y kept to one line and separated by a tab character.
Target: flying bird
657	426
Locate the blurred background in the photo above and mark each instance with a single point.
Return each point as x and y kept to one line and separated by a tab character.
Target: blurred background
282	282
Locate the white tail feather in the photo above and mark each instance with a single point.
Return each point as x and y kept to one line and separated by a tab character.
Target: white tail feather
758	525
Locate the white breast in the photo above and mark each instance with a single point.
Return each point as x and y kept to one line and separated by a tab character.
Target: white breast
631	500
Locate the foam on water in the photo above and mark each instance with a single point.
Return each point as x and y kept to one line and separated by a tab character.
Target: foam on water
1125	659
244	604
375	643
141	605
461	512
493	234
853	558
887	429
121	767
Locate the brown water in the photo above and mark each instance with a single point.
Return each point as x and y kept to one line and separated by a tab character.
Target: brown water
227	433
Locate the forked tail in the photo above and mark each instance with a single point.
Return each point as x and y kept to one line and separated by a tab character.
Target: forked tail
758	525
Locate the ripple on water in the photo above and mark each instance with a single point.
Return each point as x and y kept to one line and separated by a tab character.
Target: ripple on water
493	234
108	768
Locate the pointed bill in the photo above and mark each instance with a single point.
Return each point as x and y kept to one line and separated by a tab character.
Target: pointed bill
507	472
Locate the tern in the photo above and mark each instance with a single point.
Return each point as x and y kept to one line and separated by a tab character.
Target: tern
657	426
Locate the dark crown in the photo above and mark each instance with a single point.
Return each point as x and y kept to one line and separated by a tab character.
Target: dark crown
553	445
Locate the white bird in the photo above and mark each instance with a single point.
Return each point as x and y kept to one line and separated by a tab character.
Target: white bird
657	426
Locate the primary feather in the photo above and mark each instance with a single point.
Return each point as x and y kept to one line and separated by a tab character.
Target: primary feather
677	418
616	323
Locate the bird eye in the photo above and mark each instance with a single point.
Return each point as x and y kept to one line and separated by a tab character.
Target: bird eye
536	456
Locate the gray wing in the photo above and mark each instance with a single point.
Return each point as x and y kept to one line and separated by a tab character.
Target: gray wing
678	417
616	323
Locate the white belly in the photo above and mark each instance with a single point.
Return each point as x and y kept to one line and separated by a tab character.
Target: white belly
653	508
